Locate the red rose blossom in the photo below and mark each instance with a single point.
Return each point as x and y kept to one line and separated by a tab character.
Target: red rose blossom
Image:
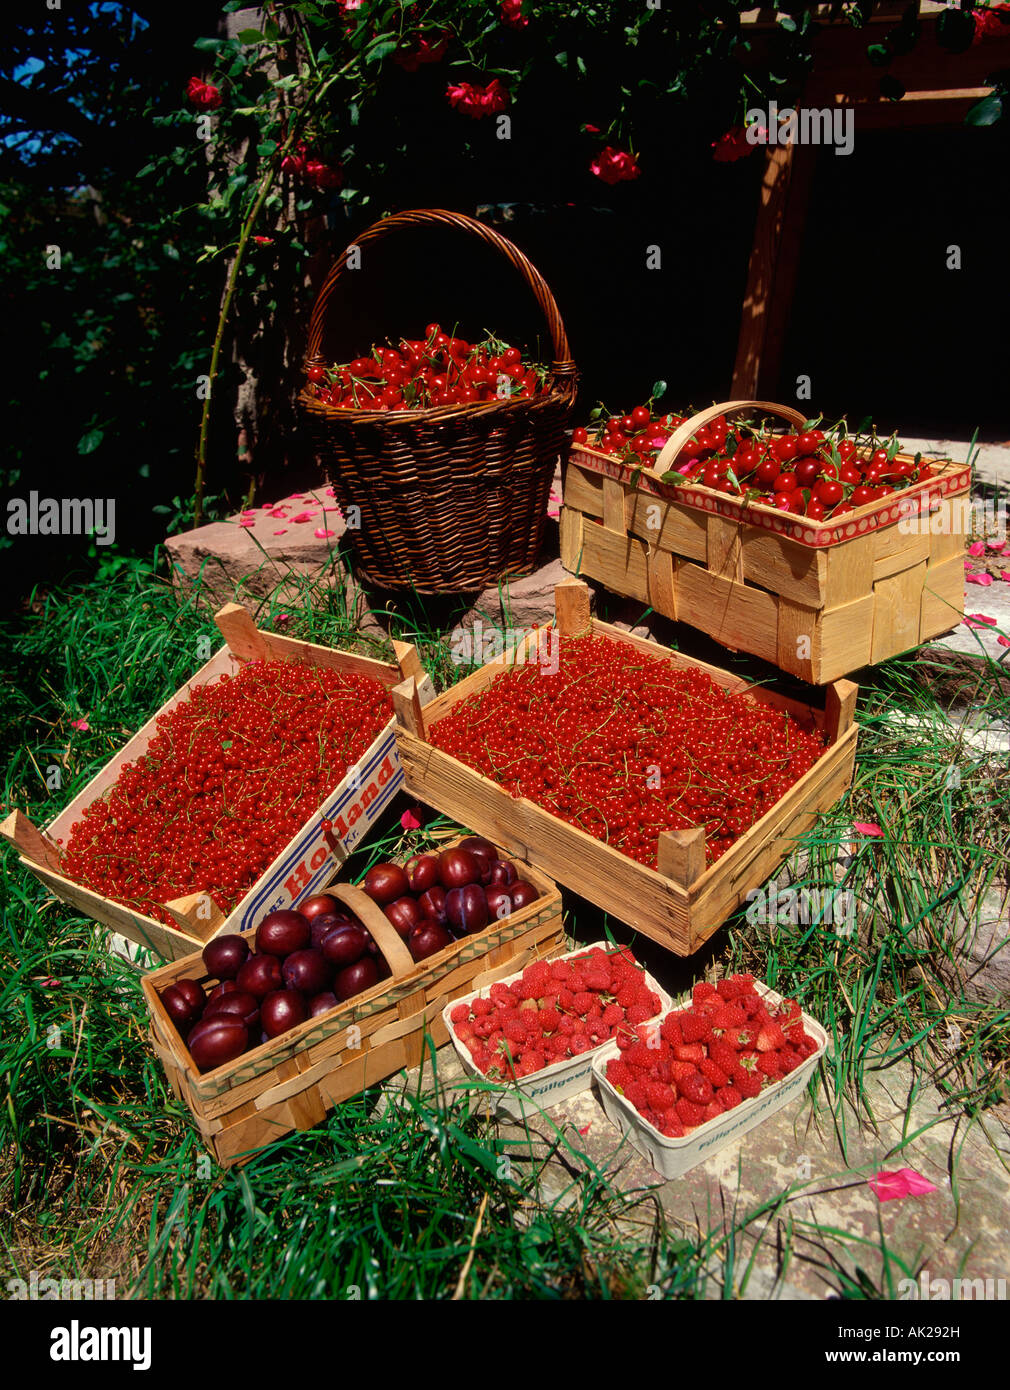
615	166
991	21
735	144
421	51
512	14
476	102
203	95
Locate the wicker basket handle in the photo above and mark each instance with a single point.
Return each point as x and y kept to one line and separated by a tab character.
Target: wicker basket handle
668	454
562	364
385	935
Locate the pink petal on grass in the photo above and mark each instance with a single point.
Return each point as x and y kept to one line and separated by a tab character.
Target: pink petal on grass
409	821
283	617
977	548
901	1182
321	533
984	579
867	827
81	724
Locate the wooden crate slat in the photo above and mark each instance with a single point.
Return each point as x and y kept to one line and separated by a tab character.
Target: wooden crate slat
897	602
774	563
739	616
942	598
670	526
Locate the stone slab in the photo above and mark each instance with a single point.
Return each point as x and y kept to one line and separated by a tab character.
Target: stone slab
267	552
792	1195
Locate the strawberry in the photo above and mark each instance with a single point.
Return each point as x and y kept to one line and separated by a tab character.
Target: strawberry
729	988
549	1019
770	1065
702	990
722	1055
567	1025
748	1083
678	1070
560	970
526	989
729	1097
689	1052
694	1027
618	1072
713	1110
538	972
696	1088
639	1055
689	1114
460	1013
660	1097
789	1060
729	1016
597	978
672	1031
713	1073
628	996
750	1004
480	1007
579	1043
634	1093
770	1038
639	1013
671	1126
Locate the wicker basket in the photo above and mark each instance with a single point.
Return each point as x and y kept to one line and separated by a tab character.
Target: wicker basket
452	497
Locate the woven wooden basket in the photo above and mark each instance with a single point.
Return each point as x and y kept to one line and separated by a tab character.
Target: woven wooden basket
452	497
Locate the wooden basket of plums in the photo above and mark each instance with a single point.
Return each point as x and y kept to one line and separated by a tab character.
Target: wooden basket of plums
263	1032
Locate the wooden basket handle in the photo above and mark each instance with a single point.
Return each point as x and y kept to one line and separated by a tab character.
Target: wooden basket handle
386	937
562	364
668	454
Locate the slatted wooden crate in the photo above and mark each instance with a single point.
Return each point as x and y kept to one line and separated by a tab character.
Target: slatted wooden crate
682	903
817	599
291	1082
299	868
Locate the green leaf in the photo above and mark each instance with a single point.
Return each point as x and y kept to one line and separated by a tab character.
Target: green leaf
266	148
658	389
250	36
878	54
88	443
380	49
787	23
212	45
985	112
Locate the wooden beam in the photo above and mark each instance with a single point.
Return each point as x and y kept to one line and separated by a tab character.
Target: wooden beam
571	607
682	855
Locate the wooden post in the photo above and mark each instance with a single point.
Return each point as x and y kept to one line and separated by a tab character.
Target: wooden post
407	707
682	855
571	608
245	641
28	840
839	708
197	914
408	660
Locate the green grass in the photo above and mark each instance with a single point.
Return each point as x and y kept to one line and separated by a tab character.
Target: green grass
103	1174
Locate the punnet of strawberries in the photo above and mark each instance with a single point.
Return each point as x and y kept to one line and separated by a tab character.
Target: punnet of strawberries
554	1011
726	1048
816	473
438	369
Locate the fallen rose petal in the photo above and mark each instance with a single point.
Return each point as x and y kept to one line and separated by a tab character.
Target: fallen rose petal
247	523
46	981
280	513
1005	574
977	548
321	533
282	532
81	724
901	1182
977	619
409	821
867	827
330	492
1003	641
283	617
303	516
984	579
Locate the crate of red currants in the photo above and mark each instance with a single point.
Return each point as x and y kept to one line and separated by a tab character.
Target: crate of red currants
659	787
261	1034
240	796
819	550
